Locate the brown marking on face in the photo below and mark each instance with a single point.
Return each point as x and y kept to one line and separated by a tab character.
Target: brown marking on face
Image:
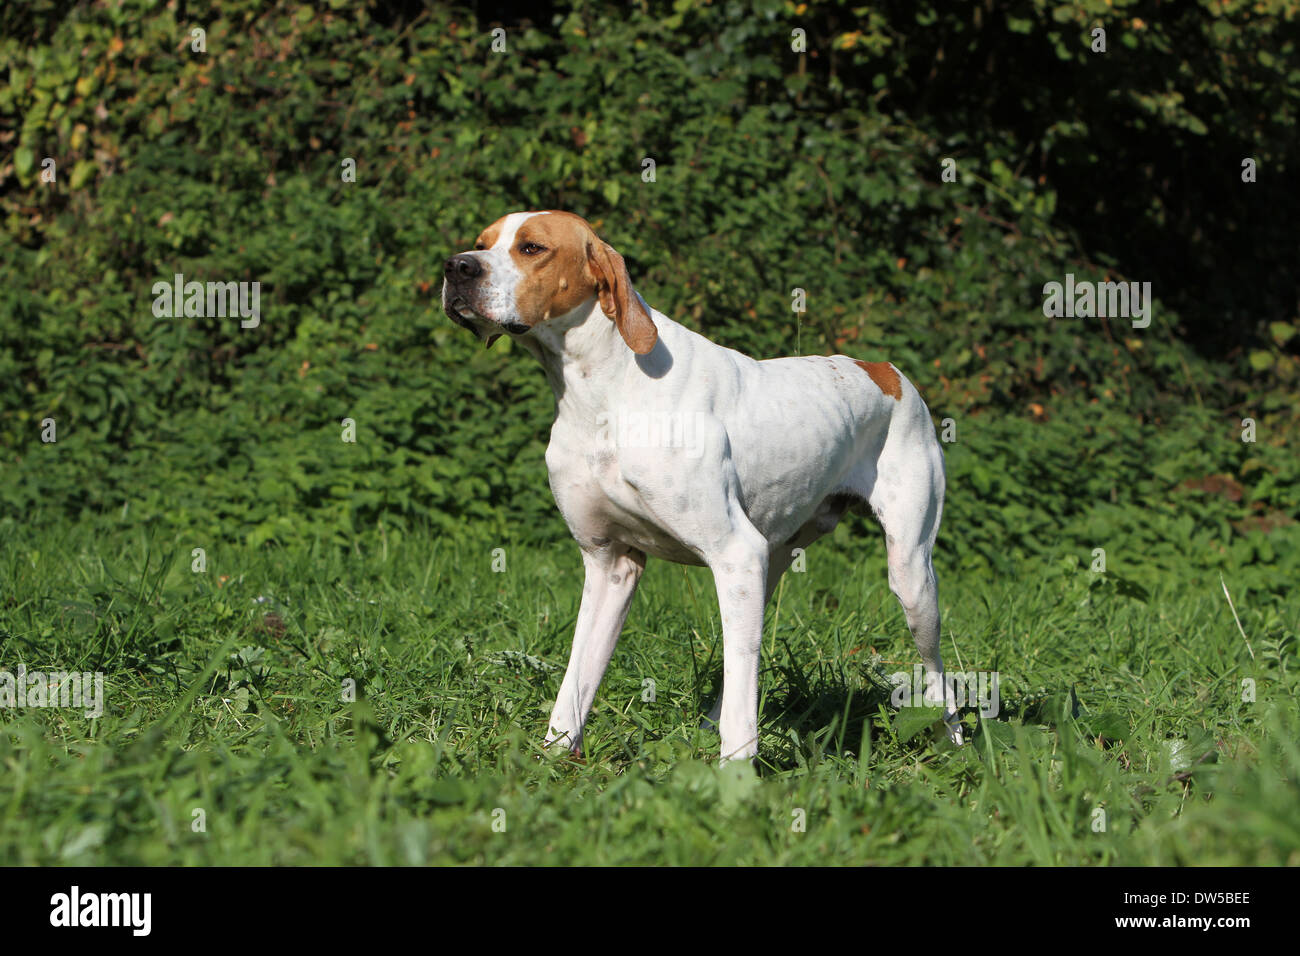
886	379
565	265
557	279
489	236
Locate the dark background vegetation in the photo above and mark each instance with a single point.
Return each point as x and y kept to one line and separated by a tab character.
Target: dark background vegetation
775	170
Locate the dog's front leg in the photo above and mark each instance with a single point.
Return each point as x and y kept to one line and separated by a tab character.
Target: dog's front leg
740	575
778	561
611	580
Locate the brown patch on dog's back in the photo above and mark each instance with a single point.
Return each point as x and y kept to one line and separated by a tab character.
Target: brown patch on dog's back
886	379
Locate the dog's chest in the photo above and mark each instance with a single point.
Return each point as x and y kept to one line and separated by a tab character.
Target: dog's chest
589	479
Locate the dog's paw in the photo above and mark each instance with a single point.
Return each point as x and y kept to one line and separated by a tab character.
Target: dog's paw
563	745
952	724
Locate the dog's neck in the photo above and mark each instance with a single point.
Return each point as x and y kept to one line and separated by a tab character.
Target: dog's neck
584	357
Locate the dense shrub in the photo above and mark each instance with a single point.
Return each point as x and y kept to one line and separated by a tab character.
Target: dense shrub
774	170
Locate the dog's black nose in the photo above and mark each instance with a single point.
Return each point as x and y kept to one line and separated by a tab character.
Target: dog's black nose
463	266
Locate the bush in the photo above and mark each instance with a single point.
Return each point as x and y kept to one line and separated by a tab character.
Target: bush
773	170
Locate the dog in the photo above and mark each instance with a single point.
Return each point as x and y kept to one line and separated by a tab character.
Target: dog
670	445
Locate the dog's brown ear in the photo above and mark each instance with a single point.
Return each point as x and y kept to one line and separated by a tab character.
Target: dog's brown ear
618	301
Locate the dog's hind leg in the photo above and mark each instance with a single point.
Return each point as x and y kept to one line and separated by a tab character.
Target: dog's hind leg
907	497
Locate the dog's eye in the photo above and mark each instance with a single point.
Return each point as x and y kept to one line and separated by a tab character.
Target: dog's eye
531	248
479	247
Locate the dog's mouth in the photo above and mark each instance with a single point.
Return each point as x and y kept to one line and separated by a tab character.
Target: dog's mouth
463	314
460	310
466	316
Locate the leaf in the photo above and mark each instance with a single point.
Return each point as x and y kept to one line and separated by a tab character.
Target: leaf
24	161
82	173
911	721
1132	589
1281	331
1002	735
1183	754
1108	725
88	838
1260	360
737	781
446	791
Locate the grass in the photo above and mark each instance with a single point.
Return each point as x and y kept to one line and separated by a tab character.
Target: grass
228	738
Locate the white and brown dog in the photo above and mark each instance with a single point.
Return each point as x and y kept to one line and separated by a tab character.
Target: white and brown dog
667	444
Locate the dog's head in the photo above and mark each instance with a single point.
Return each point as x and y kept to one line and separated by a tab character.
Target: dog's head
531	267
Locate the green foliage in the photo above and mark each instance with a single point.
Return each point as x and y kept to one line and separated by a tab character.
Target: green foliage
774	170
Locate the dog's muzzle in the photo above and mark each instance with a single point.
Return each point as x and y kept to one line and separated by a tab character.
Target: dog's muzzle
461	272
461	298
